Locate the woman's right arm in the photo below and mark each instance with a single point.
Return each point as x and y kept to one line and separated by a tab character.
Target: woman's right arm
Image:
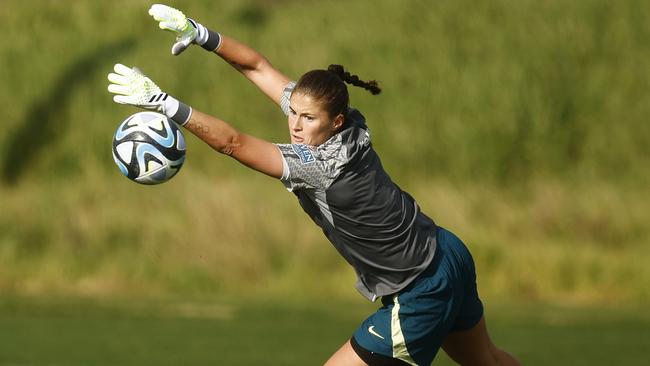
250	151
254	67
130	86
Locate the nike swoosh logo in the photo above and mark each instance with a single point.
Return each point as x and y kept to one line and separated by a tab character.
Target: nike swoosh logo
371	329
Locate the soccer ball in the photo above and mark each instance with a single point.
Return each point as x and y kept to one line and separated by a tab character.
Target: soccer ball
148	148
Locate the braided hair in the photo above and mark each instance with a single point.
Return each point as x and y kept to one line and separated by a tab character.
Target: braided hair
328	88
370	86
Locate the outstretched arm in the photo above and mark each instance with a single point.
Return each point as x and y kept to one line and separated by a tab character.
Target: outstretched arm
242	57
132	87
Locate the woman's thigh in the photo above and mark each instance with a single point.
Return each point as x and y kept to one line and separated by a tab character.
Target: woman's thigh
470	347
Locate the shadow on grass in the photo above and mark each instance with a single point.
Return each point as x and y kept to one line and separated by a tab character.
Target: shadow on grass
43	123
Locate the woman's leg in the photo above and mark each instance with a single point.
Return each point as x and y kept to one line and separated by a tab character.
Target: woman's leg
352	354
345	356
474	347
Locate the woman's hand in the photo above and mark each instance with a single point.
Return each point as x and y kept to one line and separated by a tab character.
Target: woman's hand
187	30
132	87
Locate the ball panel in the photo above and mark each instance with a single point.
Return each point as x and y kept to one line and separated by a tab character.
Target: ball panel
121	165
180	140
153	165
125	151
159	129
157	176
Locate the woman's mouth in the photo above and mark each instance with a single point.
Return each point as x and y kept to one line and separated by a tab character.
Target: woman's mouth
297	139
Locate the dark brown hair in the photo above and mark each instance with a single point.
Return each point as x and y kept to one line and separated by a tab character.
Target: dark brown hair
328	88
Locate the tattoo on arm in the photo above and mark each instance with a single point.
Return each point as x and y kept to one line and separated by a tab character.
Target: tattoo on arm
197	126
220	136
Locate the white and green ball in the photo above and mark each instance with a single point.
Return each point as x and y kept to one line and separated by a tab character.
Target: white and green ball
148	148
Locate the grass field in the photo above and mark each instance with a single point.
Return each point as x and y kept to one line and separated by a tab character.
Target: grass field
520	125
233	332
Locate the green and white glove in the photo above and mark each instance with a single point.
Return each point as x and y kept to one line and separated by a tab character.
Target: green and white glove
187	30
132	87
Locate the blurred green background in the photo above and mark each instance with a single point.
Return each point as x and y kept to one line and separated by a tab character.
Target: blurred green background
520	125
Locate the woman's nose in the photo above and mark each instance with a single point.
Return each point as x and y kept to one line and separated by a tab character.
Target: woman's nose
295	124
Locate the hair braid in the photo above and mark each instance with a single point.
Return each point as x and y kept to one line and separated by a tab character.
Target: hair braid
370	86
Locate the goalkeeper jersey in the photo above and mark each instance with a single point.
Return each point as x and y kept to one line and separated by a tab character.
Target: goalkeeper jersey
378	228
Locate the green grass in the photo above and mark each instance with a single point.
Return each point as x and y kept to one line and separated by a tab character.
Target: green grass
233	332
520	125
552	244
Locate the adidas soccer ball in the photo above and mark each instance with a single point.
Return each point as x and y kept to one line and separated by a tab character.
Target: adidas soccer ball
148	148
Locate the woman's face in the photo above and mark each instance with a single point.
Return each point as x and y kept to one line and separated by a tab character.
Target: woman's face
309	123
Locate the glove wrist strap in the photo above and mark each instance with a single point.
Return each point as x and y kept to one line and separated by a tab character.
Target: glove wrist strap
182	115
206	38
177	111
213	42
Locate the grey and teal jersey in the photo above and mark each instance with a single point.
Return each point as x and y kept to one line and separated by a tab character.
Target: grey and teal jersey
378	228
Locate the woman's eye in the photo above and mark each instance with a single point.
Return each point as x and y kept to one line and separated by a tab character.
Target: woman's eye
309	118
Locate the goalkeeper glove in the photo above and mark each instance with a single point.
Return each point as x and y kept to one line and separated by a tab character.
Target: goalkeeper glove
187	30
131	86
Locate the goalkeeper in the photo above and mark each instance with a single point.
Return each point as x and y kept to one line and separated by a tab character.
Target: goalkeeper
423	274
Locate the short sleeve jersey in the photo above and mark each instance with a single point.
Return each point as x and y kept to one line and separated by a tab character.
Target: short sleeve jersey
378	228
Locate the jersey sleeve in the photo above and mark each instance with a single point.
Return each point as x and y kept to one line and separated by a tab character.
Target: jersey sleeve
308	167
285	99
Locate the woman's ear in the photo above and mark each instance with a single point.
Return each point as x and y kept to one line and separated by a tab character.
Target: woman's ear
338	122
